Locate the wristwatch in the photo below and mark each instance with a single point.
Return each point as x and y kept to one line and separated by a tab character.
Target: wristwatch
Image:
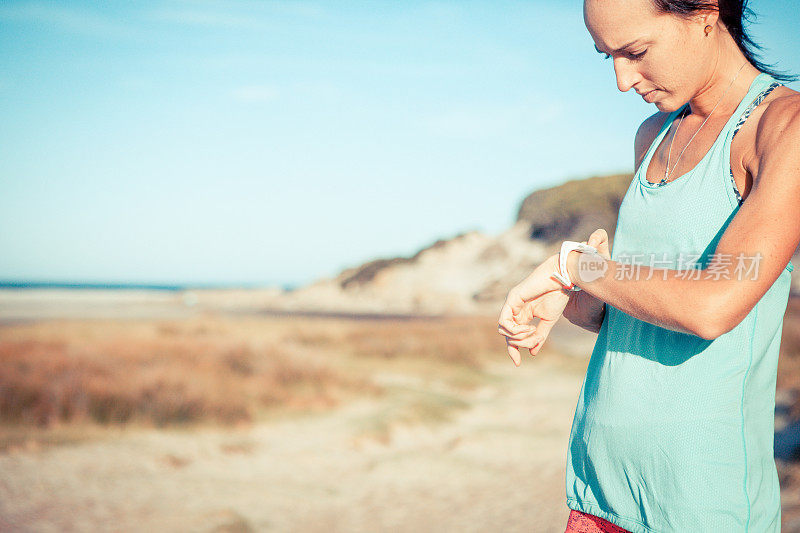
562	276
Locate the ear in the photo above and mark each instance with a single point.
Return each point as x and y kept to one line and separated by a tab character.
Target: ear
709	17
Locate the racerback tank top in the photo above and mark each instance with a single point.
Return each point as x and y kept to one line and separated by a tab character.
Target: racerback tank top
673	432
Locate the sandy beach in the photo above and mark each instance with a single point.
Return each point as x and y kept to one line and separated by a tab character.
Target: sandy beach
498	466
401	425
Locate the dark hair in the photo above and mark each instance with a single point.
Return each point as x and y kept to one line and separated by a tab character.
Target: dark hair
732	13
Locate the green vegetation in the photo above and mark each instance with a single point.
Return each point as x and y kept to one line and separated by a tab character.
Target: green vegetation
573	210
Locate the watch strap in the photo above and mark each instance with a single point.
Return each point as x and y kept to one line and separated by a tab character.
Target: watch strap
563	275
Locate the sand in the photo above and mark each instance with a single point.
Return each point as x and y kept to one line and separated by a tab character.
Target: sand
497	466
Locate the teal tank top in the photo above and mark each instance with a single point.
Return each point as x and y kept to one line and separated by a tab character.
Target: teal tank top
673	432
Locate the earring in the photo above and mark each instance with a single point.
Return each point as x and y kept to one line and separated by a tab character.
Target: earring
707	29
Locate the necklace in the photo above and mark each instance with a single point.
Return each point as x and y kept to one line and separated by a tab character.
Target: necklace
666	170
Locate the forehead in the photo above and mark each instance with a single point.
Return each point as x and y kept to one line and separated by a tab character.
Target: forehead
613	23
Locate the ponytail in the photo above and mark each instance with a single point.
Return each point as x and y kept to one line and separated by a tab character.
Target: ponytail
733	14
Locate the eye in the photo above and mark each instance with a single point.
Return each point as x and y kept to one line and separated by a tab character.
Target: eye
634	57
638	56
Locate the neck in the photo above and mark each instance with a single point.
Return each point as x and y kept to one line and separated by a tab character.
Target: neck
725	66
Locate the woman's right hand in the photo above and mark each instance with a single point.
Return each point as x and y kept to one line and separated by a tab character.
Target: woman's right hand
583	309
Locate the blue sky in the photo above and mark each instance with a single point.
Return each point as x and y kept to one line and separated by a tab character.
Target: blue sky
277	142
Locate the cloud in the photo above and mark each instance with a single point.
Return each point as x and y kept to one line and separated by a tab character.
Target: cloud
213	19
255	94
79	21
303	9
239	15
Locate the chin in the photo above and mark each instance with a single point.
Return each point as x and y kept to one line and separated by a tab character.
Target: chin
665	107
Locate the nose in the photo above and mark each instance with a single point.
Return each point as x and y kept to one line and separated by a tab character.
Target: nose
627	76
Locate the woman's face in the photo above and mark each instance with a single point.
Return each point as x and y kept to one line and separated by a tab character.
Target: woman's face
665	55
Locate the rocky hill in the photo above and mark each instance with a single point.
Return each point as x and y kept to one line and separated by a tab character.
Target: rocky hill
461	275
572	211
468	273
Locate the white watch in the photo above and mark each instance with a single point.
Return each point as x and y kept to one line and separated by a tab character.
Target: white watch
563	276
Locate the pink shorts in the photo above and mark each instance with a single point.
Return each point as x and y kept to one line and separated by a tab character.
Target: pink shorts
585	523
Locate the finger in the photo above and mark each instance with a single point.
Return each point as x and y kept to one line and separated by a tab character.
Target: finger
543	331
514	324
507	314
529	330
599	239
544	327
524	314
533	346
536	349
518	337
513	352
528	343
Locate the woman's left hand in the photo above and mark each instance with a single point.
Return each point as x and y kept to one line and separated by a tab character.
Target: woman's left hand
537	296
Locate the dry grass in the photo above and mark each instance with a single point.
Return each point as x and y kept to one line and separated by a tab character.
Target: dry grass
789	362
226	370
67	381
155	373
789	378
231	370
454	341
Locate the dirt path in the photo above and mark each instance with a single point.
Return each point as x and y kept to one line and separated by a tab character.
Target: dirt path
497	466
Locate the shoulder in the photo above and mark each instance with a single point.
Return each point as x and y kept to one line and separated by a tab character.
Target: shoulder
780	113
778	131
646	134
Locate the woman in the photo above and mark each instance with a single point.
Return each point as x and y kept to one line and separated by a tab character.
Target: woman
673	428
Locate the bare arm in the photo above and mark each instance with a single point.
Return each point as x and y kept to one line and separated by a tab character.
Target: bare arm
768	223
587	311
584	309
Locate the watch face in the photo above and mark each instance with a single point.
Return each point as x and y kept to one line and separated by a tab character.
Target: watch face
591	267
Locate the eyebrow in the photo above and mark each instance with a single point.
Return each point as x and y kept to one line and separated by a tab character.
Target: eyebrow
620	49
